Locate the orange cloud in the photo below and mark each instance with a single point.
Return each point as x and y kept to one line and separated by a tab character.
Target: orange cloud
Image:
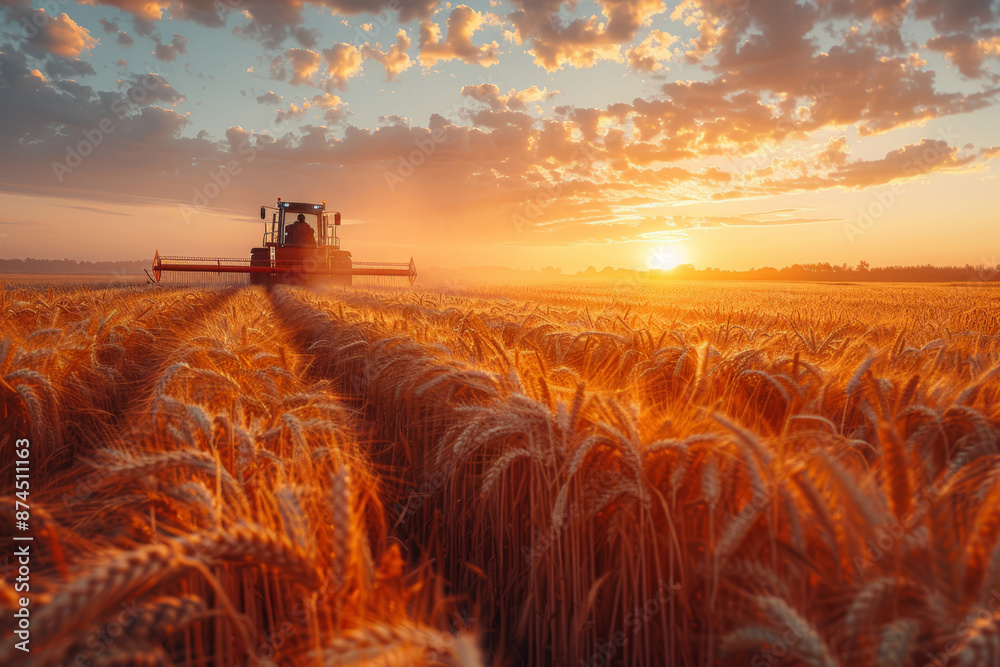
335	112
650	54
581	42
147	10
910	161
775	80
61	35
966	51
462	24
304	63
395	60
327	101
343	61
515	100
293	112
836	153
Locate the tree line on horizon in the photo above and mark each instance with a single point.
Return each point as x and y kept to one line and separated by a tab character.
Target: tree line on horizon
73	267
823	271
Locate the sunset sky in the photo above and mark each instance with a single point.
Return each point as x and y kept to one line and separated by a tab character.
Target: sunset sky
626	133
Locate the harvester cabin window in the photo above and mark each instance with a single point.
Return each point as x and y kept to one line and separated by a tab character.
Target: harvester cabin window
301	232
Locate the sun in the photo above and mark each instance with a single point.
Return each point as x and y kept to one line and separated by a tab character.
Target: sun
665	257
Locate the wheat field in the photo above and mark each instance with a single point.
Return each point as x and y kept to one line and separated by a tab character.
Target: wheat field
582	474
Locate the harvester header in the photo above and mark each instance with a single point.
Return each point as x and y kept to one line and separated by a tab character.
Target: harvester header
300	246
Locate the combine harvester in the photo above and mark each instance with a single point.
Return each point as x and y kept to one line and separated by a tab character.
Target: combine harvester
291	254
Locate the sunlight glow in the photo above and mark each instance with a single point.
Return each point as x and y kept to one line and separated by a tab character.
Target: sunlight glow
665	257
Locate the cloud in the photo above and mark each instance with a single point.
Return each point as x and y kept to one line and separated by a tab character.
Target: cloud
487	93
329	69
832	168
59	35
272	22
304	63
948	15
151	88
772	98
169	52
583	41
122	38
51	115
395	59
579	178
335	109
966	51
650	54
502	110
293	112
767	49
910	161
514	100
836	153
327	101
61	68
147	10
462	23
343	61
270	97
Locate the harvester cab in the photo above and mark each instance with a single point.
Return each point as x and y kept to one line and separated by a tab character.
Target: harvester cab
301	237
300	246
324	223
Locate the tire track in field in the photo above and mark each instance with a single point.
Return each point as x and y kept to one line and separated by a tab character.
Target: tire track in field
413	399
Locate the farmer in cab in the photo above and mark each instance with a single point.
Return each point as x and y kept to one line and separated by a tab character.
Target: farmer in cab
300	233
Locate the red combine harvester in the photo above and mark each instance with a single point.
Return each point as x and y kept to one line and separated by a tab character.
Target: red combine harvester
291	254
